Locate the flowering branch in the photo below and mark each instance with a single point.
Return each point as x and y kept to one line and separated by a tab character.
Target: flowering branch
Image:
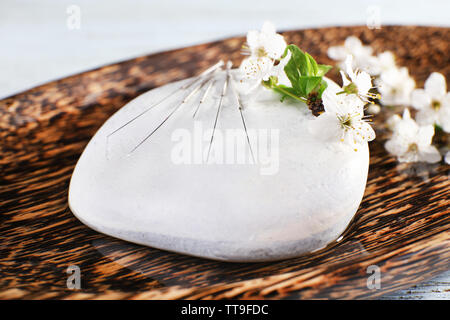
412	140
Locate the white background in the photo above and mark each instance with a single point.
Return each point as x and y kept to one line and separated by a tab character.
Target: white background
37	46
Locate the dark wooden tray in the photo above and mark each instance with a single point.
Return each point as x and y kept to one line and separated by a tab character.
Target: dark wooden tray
402	225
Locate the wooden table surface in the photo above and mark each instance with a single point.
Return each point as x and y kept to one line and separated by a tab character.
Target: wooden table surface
402	226
435	289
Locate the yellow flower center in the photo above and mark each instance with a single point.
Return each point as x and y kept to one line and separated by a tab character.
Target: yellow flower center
346	120
413	147
261	52
436	105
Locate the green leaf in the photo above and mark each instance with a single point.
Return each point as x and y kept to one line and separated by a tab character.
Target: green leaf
313	65
323	86
304	74
308	84
292	67
305	65
323	69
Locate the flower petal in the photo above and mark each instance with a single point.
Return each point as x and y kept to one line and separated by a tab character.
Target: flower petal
395	86
337	53
372	66
444	118
407	128
446	101
268	28
363	132
425	135
408	157
406	114
396	147
435	85
426	117
386	61
429	154
353	43
349	67
447	157
420	99
253	40
393	121
367	131
275	46
363	82
256	68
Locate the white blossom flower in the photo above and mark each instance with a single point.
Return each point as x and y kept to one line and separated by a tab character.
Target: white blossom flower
395	86
411	142
433	102
356	81
257	68
447	157
264	48
362	55
266	43
384	61
343	120
393	121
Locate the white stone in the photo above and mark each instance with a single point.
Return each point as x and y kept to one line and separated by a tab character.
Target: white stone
232	212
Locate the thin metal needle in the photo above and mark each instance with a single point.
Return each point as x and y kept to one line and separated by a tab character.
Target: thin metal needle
145	111
186	99
240	107
186	86
224	91
246	133
205	94
213	68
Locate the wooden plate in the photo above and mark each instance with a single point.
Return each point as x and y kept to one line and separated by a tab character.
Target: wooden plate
402	225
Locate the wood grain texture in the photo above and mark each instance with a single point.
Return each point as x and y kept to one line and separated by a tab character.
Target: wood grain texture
435	289
402	225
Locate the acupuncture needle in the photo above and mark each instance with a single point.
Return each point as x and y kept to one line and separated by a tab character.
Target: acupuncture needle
240	107
185	100
186	86
205	94
224	91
